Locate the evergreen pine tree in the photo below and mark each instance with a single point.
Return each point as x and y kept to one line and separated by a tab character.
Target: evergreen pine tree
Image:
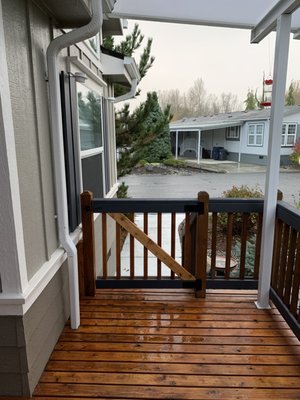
290	98
251	101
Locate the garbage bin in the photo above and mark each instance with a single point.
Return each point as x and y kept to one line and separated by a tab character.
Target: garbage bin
216	152
222	154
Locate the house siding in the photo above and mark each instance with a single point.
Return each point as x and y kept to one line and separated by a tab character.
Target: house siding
231	156
26	342
254	159
27	35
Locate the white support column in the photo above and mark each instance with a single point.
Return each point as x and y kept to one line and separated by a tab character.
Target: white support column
199	146
274	146
176	145
12	253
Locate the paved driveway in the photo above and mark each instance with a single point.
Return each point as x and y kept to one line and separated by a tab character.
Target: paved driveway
178	186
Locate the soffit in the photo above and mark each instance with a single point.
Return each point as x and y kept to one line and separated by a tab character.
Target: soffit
245	14
75	13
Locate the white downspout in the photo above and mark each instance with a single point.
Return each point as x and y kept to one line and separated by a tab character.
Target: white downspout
59	43
129	94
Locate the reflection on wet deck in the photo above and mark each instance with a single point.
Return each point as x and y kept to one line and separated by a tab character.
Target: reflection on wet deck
162	344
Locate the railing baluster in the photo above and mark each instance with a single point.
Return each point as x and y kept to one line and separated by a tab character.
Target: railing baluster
159	235
173	239
201	245
290	265
132	255
258	245
88	243
145	249
213	244
80	268
244	235
276	253
283	257
187	242
296	284
228	244
104	245
118	251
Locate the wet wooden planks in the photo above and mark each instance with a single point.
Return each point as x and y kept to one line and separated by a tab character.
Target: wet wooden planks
162	344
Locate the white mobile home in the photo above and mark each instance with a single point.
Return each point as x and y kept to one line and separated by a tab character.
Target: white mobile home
238	136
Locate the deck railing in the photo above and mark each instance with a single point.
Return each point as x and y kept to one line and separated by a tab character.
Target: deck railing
229	244
285	284
133	217
213	242
234	242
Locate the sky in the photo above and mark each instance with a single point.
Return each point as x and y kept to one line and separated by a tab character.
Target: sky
222	57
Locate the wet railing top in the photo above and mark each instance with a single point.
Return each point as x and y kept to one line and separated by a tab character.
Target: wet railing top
176	205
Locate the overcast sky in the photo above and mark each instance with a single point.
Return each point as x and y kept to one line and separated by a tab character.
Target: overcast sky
222	57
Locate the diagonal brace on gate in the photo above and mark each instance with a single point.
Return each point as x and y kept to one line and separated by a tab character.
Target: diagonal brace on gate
153	247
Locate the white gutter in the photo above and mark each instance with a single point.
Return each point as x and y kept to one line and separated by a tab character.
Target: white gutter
129	94
59	43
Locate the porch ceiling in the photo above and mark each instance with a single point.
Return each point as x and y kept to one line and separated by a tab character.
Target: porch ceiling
243	14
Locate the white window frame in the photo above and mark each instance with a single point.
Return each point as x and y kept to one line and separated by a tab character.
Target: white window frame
255	134
233	133
97	42
96	150
285	134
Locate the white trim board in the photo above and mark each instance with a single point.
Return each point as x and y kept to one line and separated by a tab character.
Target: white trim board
19	304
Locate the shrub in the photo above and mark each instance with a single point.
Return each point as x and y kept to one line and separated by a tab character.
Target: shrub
297	201
241	192
250	255
157	151
295	156
122	192
172	162
142	163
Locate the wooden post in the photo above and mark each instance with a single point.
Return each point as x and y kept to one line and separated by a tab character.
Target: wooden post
279	195
88	243
201	247
80	268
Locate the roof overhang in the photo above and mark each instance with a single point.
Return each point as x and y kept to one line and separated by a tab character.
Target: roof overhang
243	14
68	13
73	13
203	127
119	69
112	26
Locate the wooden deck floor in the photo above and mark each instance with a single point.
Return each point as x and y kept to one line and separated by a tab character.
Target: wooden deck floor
165	344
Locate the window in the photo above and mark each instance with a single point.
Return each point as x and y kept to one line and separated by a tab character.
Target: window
255	135
82	113
233	133
288	137
91	139
94	44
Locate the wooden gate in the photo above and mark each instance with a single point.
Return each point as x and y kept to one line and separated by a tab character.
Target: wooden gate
190	272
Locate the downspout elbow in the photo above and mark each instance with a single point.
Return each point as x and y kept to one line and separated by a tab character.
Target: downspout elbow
129	94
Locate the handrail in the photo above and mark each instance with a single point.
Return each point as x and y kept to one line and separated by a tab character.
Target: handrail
236	205
176	205
289	215
285	285
146	205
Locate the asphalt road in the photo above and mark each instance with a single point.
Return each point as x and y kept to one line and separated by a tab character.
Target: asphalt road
179	186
